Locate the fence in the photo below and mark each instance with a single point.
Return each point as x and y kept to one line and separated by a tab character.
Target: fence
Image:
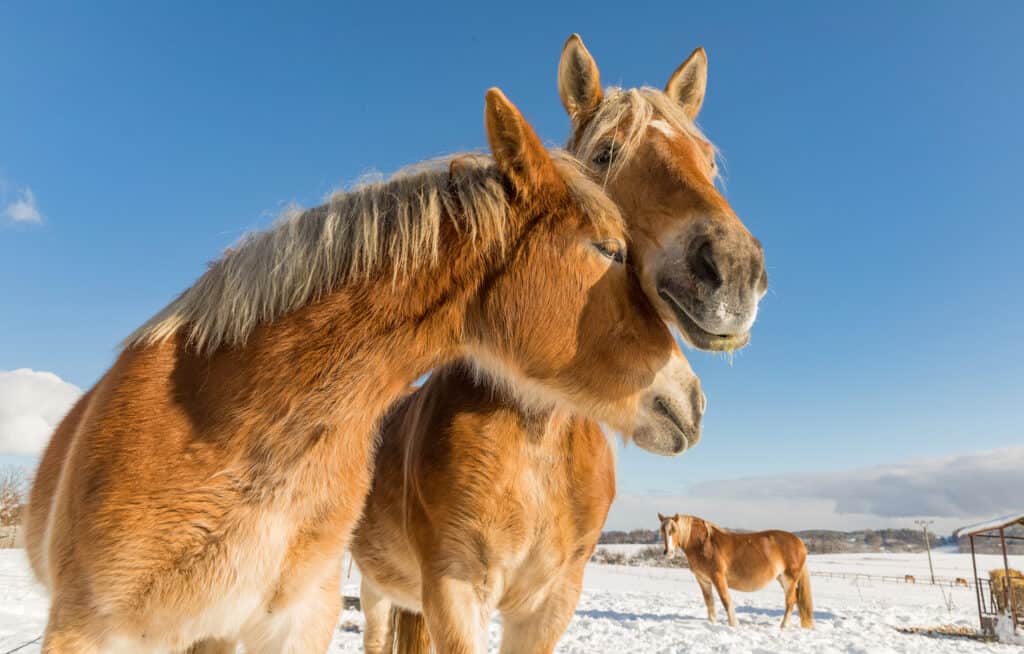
887	579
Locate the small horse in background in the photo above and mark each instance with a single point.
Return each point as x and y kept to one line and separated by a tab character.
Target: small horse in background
960	581
745	562
909	579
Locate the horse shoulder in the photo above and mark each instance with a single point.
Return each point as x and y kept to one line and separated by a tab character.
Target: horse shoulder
43	494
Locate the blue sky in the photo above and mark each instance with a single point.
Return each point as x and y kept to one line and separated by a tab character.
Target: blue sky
875	150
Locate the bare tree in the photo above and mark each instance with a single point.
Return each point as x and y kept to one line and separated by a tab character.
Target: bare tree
13	486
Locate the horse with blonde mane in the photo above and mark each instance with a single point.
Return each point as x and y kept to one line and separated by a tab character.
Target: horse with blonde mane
202	492
485	499
744	561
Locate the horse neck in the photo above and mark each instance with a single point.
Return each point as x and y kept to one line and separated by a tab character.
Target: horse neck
444	449
344	358
695	537
537	429
443	422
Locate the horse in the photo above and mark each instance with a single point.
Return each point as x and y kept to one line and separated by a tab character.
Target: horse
203	491
744	561
909	579
960	581
480	501
534	522
643	146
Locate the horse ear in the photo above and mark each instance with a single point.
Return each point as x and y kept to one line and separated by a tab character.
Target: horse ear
688	84
661	518
517	151
579	82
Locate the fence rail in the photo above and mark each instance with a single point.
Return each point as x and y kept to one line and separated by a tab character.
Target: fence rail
890	579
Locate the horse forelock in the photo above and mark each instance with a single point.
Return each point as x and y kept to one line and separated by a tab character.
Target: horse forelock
629	112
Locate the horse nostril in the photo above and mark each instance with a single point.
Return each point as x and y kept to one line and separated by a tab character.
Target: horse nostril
702	263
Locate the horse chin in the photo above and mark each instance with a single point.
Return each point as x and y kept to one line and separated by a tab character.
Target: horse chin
698	337
664	440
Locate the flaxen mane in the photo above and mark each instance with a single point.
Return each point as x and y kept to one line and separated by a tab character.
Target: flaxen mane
642	106
390	228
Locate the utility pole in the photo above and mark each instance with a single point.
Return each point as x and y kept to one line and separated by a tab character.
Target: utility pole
927	546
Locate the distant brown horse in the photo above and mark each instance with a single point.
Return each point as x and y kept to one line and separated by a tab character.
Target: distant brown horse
746	562
204	490
960	581
505	499
909	579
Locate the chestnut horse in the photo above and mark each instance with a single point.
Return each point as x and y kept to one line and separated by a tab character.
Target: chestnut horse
203	492
744	561
466	536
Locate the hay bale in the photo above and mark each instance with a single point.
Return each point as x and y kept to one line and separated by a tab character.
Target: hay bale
999	573
1016	586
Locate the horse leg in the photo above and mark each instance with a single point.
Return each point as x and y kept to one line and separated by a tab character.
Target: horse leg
68	632
789	588
377	637
723	592
303	625
709	599
456	617
538	631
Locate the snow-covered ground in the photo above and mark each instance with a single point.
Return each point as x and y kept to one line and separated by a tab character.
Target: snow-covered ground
648	610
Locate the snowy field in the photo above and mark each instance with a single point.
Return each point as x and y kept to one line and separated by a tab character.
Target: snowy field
649	610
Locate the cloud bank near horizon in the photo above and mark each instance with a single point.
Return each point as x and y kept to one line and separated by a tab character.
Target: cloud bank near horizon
31	405
951	490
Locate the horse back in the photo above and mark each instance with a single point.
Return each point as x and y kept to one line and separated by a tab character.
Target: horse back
784	550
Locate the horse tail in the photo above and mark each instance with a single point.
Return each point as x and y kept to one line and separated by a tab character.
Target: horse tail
803	599
409	632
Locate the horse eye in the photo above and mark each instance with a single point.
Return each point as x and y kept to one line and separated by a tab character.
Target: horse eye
604	156
612	249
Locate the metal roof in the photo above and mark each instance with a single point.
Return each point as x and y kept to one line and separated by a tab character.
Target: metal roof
990	525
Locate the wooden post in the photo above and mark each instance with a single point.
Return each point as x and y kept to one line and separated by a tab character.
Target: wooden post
977	582
1008	581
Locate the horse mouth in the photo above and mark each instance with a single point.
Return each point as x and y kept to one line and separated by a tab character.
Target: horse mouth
681	442
699	337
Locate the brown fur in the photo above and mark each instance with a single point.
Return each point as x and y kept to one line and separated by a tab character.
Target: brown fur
501	511
909	579
209	494
960	581
498	539
743	561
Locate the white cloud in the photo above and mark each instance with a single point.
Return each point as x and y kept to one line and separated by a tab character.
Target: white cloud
31	405
952	490
24	209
